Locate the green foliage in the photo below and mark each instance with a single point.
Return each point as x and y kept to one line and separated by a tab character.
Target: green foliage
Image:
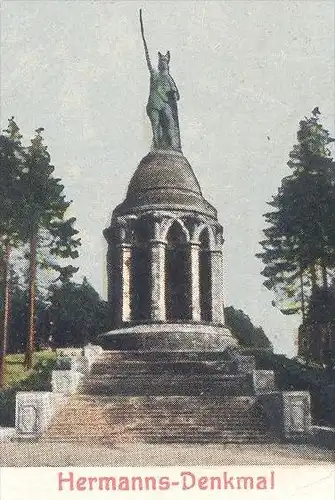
32	210
299	245
19	317
32	202
322	306
7	407
18	321
45	210
18	379
77	313
243	329
11	195
292	375
16	375
73	313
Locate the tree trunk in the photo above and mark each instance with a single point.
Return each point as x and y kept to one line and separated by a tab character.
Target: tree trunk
303	309
324	275
28	360
5	315
313	276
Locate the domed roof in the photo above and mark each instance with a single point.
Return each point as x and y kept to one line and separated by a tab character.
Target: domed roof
164	180
163	170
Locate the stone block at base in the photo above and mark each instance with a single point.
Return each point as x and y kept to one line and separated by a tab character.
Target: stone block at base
34	411
65	381
288	413
244	364
81	364
296	413
263	381
92	352
7	433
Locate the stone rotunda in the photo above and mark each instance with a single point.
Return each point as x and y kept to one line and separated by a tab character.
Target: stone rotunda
165	279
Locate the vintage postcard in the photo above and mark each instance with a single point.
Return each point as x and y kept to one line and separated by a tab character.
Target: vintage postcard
167	249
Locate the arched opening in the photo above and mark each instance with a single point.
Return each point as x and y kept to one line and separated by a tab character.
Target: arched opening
177	275
205	282
140	272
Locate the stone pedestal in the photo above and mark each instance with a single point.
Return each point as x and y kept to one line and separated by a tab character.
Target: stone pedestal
168	337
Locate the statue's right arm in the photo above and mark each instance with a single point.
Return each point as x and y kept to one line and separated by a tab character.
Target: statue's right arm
147	57
150	68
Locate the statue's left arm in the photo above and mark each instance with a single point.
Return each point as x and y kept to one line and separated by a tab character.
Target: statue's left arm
174	88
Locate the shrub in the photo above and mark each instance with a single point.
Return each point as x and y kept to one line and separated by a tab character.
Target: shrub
7	407
292	375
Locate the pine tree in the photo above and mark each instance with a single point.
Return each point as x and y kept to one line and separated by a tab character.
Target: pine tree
314	199
11	156
45	224
299	245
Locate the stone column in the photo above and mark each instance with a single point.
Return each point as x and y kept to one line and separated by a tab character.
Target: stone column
217	286
194	281
110	271
124	313
157	281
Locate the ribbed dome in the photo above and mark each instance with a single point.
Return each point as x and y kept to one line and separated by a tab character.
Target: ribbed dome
165	180
162	171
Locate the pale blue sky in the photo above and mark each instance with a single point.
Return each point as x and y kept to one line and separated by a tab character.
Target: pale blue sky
246	70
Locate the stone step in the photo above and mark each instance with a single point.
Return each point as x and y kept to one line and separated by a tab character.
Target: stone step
167	417
167	384
137	366
137	433
157	403
118	419
168	356
157	440
142	434
170	431
154	429
172	435
123	413
184	437
252	422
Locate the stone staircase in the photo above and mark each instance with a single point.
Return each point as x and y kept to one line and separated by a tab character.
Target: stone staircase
162	397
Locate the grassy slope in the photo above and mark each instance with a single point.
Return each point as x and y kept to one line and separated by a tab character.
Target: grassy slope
15	371
19	379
